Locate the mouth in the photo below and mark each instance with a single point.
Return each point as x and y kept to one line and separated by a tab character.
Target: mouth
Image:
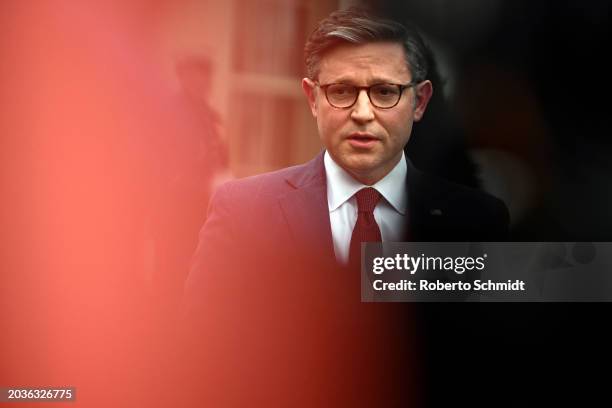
362	140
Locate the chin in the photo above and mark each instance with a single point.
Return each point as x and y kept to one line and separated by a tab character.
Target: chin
360	168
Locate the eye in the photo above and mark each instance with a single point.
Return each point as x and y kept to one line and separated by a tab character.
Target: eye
384	91
340	90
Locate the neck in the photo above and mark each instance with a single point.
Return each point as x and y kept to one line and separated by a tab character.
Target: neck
367	179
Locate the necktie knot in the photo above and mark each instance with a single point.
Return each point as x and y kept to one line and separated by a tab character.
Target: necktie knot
367	199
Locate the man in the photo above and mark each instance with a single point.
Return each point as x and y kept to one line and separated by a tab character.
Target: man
270	287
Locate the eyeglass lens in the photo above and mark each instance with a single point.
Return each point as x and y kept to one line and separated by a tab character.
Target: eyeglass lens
345	95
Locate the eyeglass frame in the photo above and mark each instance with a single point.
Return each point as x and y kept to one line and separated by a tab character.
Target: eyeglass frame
402	88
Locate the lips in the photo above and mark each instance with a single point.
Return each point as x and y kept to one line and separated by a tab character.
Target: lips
362	140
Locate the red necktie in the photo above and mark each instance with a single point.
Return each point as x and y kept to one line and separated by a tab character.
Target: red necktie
366	229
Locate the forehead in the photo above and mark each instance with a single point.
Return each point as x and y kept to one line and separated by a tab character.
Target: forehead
385	61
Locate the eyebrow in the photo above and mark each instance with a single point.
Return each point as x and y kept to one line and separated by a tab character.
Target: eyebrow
376	80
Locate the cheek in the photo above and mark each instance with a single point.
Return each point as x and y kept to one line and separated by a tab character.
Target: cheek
402	127
330	125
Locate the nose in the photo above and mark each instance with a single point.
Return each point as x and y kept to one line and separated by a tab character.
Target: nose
362	110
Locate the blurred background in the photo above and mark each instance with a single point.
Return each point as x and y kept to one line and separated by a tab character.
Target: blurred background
119	118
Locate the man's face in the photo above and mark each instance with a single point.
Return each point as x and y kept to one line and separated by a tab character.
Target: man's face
365	140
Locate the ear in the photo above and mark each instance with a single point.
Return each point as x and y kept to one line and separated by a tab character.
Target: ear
308	86
423	91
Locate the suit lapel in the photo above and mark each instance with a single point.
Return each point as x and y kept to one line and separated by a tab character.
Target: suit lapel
305	209
427	212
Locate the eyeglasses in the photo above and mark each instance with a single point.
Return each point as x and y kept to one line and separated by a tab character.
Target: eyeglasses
383	96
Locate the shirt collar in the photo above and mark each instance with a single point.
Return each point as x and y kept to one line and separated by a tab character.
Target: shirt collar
341	186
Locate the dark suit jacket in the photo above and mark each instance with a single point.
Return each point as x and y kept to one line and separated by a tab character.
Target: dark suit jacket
266	293
288	209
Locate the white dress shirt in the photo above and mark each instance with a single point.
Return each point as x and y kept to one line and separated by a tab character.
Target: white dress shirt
390	212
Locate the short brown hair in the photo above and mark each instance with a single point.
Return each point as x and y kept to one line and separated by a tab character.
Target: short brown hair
357	26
